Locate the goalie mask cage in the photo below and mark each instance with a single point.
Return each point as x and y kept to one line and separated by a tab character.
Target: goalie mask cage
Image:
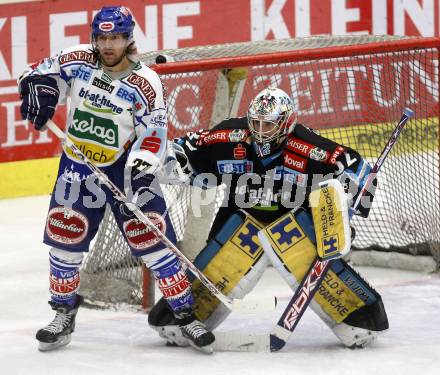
350	89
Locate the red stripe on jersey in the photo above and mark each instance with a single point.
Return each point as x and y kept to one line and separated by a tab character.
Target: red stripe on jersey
215	137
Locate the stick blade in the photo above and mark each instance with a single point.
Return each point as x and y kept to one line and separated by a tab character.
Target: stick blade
235	341
254	305
279	337
276	343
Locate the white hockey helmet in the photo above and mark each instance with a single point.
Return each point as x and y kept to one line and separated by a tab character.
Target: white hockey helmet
271	116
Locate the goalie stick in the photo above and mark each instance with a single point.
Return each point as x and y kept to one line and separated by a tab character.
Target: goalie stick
230	303
277	339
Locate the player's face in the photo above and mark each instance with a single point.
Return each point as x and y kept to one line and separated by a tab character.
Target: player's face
111	47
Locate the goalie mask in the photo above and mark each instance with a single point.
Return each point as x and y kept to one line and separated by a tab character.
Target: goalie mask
271	117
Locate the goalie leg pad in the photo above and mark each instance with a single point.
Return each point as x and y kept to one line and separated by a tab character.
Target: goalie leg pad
343	295
234	261
362	326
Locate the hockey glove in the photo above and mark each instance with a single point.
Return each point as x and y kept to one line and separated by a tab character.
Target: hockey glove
39	96
177	168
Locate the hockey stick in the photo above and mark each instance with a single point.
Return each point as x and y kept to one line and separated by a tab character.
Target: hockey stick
277	339
311	282
230	303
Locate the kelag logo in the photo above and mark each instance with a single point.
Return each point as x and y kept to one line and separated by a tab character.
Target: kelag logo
94	128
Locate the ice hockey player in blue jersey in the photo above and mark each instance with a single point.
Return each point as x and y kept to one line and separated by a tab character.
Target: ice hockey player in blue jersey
118	119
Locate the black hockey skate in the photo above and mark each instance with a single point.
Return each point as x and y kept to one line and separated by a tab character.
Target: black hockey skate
58	332
196	333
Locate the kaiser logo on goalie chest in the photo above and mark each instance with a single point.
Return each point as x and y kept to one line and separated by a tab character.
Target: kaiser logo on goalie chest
215	137
66	226
299	146
140	236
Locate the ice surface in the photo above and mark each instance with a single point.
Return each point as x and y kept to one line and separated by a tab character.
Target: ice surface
109	342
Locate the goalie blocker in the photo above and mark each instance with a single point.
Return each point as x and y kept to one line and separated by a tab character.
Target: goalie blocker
235	258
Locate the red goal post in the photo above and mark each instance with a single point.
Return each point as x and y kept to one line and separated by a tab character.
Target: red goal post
351	89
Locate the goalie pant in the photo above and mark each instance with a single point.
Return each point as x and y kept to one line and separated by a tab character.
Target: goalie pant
76	209
345	302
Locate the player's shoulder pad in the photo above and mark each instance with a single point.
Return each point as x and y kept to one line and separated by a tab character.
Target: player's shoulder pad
81	53
143	70
230	130
146	82
307	141
304	132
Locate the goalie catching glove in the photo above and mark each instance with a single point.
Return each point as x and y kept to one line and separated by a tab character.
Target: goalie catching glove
39	96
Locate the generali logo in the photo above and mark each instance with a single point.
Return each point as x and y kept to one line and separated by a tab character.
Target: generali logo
144	86
77	56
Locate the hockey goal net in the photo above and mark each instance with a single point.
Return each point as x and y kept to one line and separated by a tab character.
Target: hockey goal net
350	89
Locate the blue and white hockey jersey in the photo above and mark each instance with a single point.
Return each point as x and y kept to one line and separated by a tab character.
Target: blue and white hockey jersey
107	115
